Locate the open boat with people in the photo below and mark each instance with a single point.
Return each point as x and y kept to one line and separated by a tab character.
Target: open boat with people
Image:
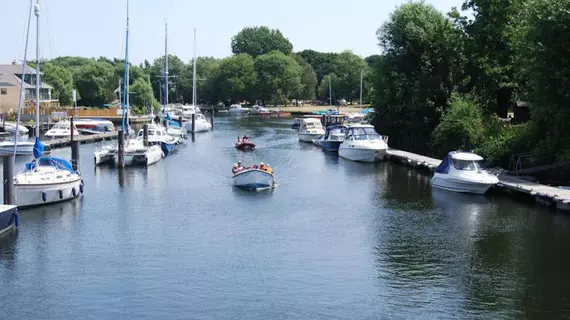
8	217
310	129
463	171
362	143
244	144
253	178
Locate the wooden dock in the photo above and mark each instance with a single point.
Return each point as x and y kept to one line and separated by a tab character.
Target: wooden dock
62	143
547	195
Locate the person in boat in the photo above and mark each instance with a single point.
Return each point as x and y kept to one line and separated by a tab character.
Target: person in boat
262	166
239	140
245	138
237	167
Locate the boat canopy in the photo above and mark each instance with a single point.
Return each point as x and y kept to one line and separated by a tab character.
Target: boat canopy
174	124
49	161
444	165
474	161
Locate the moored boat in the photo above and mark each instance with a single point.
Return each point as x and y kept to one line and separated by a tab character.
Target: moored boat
62	129
333	137
462	171
138	154
8	217
22	147
310	129
363	144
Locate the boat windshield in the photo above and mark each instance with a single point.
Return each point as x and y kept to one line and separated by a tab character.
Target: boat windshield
469	165
364	134
61	126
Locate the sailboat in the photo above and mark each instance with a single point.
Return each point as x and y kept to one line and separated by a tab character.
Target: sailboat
135	152
45	179
200	122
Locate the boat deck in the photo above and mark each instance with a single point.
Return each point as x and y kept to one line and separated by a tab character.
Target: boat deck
547	195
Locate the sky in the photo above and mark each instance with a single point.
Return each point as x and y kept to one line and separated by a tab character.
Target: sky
93	28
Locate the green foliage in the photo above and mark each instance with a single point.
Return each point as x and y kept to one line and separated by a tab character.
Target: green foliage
177	83
61	79
308	79
95	83
235	78
348	67
322	62
323	91
415	78
279	77
260	40
141	94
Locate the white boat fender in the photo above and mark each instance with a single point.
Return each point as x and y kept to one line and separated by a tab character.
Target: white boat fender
60	194
74	192
44	196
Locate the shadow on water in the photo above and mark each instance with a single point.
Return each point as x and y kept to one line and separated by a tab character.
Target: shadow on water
8	249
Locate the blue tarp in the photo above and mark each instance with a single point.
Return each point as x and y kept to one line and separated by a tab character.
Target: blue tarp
38	148
49	161
168	117
444	165
172	123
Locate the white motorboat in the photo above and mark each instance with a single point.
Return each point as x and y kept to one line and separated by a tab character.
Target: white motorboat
46	180
105	154
256	109
22	147
462	171
11	127
157	136
236	109
137	154
93	126
8	217
201	124
310	129
62	129
363	144
254	179
188	110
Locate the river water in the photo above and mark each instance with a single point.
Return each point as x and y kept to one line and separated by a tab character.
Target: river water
334	240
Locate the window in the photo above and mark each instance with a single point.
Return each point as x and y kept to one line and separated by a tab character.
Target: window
468	165
3	91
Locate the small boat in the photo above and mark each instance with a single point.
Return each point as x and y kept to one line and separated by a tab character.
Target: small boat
362	143
310	129
136	153
8	217
260	110
254	179
244	146
333	137
463	171
157	136
237	109
201	124
93	126
23	147
62	129
105	154
11	127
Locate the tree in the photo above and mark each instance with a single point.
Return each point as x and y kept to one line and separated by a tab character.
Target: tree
414	80
348	67
235	78
141	96
206	67
322	62
61	79
308	79
177	87
279	77
324	92
260	40
490	63
95	82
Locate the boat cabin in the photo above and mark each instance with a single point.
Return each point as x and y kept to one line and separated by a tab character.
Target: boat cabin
463	161
362	132
309	124
333	119
335	133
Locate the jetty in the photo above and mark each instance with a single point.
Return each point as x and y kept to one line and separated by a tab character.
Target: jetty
552	197
66	142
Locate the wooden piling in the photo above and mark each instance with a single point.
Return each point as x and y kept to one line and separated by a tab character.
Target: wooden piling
8	166
212	118
121	149
74	149
145	134
193	123
180	121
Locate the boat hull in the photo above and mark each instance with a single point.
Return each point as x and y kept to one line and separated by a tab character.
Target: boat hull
168	148
28	195
362	154
254	180
21	149
457	185
309	137
105	155
8	218
245	146
330	145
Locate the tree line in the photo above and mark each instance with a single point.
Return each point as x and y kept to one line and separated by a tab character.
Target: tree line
263	68
442	77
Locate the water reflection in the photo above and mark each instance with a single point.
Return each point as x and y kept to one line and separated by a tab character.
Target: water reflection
8	249
406	189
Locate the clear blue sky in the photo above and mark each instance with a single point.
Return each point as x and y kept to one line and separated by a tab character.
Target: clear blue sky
93	28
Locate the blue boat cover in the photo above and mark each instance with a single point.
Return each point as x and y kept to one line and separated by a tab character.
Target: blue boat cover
444	165
38	148
172	123
49	161
168	117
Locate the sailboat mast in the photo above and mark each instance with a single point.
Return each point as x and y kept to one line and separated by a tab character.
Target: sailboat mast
125	101
165	65
37	14
330	90
194	73
361	77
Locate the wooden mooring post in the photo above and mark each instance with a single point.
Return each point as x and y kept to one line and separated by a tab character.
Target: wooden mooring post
145	135
212	118
8	171
74	149
121	149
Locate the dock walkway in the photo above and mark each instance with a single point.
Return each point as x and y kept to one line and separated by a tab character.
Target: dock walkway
547	195
62	143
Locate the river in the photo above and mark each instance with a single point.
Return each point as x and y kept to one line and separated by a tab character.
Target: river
334	240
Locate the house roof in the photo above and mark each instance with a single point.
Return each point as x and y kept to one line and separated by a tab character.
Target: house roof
8	76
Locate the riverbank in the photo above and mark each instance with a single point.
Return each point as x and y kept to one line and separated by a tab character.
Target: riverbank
549	196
